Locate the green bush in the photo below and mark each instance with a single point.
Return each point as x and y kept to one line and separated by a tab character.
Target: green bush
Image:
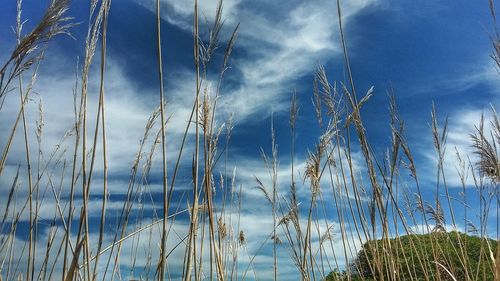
413	257
419	255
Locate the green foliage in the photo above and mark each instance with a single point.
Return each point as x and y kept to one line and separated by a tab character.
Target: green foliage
342	276
418	256
413	257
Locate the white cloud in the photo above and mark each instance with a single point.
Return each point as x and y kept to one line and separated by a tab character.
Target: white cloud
282	45
483	72
180	13
461	125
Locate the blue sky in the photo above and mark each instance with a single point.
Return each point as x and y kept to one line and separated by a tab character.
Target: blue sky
427	51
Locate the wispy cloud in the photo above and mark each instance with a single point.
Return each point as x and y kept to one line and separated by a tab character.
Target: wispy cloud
281	45
459	158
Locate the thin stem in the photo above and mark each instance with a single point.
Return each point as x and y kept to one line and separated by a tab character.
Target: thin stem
163	146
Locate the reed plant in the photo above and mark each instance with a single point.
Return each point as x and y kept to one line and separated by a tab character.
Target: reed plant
361	218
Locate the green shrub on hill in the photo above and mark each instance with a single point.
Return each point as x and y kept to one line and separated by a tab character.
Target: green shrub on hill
420	256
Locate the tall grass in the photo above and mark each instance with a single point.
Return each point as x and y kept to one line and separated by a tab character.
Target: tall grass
359	196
